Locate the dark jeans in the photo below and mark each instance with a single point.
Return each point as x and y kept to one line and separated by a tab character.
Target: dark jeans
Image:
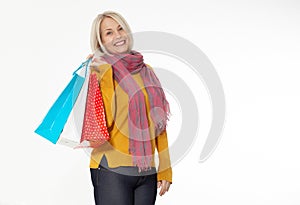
111	188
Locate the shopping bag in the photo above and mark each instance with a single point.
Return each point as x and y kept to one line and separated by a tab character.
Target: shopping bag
54	121
94	123
86	126
72	131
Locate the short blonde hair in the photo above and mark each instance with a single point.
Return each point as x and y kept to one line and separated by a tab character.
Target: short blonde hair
96	43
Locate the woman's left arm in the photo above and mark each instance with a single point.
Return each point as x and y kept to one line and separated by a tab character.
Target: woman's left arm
164	175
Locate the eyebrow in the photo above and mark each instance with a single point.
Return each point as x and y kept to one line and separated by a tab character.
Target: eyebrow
111	28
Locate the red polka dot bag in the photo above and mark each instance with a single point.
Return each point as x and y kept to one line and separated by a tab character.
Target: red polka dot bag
94	128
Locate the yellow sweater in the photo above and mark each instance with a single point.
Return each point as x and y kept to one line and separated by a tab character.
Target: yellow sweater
116	150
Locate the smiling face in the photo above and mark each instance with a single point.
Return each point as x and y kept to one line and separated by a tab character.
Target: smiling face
113	36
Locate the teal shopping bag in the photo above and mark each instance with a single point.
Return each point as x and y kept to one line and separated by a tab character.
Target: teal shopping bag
56	118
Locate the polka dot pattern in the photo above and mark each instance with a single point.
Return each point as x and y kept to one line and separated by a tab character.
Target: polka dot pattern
94	124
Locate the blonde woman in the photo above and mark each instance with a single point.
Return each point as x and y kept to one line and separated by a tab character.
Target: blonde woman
123	170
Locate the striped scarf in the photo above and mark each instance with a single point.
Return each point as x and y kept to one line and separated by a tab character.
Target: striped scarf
140	145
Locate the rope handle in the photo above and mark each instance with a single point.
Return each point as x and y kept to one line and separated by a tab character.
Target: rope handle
85	63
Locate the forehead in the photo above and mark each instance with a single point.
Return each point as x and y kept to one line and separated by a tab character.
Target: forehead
108	23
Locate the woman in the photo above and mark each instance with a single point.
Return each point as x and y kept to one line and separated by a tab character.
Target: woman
123	168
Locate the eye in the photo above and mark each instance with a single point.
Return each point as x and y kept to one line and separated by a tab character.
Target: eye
120	29
108	33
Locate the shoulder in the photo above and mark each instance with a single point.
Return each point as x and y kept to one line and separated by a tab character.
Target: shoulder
148	66
102	70
100	66
98	62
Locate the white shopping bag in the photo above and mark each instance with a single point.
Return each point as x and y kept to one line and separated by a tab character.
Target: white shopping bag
71	133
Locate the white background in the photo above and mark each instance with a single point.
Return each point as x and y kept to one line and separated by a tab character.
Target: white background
254	46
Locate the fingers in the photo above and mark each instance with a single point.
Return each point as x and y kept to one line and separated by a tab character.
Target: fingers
90	56
98	61
164	186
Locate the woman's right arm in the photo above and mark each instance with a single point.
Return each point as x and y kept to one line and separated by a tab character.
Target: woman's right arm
106	83
104	73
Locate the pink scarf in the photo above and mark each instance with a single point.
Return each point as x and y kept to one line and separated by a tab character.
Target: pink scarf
140	143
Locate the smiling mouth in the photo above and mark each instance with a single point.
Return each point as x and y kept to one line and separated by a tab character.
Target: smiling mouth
120	43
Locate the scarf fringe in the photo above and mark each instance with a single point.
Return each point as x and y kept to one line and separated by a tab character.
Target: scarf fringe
143	162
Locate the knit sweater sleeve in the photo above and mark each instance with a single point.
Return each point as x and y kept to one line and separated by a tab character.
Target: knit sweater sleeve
164	167
105	77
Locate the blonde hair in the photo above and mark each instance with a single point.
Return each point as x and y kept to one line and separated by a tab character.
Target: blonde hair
96	43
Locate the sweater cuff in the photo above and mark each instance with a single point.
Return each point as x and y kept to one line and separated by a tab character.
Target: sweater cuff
165	175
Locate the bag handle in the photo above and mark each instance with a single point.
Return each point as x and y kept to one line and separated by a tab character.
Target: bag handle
85	63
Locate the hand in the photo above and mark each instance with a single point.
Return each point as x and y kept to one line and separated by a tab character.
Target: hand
90	56
96	61
164	186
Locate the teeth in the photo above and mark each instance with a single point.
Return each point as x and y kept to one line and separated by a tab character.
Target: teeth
120	43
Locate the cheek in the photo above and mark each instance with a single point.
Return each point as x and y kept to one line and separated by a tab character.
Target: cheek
106	39
124	33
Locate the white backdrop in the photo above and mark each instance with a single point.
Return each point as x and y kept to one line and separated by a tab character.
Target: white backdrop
254	46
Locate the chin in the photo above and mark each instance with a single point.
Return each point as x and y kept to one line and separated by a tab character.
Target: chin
121	51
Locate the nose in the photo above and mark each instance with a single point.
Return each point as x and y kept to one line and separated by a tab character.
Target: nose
118	34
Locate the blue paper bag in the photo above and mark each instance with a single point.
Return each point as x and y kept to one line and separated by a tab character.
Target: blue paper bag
56	118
